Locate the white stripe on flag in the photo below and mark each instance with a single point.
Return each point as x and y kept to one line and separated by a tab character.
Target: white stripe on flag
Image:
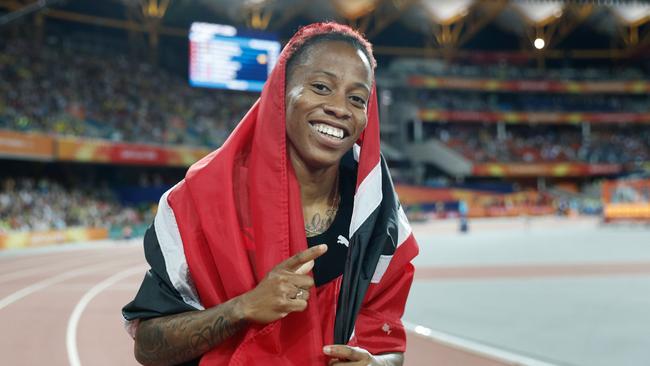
403	226
367	198
403	232
171	247
382	266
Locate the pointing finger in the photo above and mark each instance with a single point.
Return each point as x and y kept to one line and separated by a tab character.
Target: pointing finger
304	257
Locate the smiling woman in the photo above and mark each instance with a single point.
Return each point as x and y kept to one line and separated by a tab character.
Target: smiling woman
274	248
326	103
328	86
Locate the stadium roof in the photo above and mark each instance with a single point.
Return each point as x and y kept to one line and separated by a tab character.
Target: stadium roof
577	29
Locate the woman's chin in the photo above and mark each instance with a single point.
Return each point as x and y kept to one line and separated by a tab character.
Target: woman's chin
320	161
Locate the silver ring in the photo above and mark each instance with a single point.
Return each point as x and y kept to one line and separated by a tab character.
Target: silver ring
299	294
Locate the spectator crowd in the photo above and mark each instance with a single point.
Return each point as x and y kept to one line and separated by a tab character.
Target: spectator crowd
507	71
532	102
55	88
528	144
27	204
59	89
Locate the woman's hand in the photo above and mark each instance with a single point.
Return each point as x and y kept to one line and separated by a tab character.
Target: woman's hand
343	355
283	290
350	356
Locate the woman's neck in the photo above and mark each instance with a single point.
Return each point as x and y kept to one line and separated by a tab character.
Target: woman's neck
318	193
316	184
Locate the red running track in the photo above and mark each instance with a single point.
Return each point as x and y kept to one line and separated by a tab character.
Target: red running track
40	292
61	306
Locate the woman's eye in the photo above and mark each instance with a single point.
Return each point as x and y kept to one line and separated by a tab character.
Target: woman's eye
358	100
320	87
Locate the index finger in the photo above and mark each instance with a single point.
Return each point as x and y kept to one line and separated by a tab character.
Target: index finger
293	263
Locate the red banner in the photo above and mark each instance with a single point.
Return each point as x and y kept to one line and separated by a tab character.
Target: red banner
100	151
544	169
26	145
550	86
434	115
137	154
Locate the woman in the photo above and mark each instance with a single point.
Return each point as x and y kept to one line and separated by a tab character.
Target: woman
240	275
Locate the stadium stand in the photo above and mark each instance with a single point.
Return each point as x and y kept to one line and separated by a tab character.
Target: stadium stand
545	143
28	205
489	113
48	89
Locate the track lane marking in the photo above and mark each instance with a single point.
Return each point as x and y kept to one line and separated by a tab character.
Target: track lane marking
73	322
26	291
53	266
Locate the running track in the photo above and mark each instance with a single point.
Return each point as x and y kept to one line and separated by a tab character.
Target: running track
61	305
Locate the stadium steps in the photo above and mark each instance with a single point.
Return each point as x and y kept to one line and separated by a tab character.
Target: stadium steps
437	153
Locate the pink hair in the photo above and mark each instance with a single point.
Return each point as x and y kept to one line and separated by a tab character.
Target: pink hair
316	29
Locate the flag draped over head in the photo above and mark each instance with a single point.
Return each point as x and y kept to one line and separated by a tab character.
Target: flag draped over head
238	213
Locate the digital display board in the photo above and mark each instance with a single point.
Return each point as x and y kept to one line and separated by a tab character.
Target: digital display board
221	56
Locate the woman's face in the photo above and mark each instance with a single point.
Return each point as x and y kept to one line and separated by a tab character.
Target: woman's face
326	102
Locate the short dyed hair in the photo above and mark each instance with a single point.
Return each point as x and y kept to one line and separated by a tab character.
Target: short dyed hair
313	34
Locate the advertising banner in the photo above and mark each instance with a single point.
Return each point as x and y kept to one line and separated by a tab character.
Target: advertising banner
101	151
550	86
435	115
32	146
43	238
544	169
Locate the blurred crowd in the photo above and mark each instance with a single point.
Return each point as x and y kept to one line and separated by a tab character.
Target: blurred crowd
27	204
62	89
57	88
532	102
527	144
508	71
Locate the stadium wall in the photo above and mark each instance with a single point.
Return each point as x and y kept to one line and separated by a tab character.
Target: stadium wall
42	238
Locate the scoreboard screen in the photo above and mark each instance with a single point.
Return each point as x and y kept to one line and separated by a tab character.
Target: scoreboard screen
221	56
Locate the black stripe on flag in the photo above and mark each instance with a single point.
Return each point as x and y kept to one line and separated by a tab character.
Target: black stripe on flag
375	237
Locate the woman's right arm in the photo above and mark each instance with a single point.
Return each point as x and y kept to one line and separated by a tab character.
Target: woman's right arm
178	338
173	339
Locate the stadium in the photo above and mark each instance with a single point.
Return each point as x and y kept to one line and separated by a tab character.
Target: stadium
516	132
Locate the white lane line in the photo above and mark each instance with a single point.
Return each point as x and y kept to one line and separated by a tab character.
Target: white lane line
73	322
474	347
26	291
44	268
34	257
17	263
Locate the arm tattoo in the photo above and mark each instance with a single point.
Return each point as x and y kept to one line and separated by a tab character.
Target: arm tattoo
178	338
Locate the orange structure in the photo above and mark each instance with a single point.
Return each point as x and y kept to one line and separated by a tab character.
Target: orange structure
626	199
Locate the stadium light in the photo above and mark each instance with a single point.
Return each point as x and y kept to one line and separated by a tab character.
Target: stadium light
539	43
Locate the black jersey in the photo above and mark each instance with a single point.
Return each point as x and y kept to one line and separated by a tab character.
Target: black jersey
331	264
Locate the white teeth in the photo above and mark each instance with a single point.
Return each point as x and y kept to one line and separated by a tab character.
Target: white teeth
329	130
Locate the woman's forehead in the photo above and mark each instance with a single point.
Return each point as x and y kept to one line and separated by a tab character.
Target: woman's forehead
333	57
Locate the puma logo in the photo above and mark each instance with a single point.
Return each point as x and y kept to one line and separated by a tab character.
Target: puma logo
343	240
